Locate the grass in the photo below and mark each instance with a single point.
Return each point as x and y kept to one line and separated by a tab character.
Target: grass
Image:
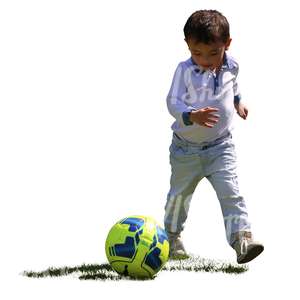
105	272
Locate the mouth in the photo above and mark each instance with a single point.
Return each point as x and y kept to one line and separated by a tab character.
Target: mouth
207	66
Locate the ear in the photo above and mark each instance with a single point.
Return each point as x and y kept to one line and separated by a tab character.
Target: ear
187	43
227	44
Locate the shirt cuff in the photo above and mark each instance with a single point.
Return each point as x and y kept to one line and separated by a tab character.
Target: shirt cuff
237	99
186	118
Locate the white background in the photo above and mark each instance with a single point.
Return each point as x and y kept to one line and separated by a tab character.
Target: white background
85	134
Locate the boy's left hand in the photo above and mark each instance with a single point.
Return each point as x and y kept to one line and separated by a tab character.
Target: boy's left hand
242	110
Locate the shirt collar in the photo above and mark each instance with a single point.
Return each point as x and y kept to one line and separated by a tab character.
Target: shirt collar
227	63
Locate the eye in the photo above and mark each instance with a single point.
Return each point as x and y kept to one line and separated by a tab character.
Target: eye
214	54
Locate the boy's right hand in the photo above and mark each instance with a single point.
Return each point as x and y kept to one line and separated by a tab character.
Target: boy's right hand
205	116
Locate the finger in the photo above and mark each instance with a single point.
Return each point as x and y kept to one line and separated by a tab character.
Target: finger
211	115
244	116
211	109
209	125
213	120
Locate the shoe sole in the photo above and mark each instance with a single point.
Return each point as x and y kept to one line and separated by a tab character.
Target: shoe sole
251	254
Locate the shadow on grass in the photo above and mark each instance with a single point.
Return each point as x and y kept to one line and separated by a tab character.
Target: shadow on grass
105	272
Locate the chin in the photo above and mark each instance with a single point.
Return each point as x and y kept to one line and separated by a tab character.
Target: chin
211	67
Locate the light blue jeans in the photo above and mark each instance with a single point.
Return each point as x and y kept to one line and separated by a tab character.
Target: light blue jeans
217	162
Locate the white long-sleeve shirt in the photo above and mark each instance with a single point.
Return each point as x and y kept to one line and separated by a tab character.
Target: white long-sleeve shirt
194	88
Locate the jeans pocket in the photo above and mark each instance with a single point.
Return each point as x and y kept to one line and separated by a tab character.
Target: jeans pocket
182	154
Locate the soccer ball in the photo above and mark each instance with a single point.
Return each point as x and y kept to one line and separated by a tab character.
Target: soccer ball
137	246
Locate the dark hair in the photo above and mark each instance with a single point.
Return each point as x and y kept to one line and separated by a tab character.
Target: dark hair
207	26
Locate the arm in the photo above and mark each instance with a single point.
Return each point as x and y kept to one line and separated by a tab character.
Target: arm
240	108
179	109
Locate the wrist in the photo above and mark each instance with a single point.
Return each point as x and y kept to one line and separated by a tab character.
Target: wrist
191	116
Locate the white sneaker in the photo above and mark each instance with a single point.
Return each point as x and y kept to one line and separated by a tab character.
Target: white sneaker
246	249
177	250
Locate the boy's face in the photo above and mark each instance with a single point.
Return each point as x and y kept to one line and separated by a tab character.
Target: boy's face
208	56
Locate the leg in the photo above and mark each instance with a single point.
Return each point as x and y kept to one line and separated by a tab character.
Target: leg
186	173
222	176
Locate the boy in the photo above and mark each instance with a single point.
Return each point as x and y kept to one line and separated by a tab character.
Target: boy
203	97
